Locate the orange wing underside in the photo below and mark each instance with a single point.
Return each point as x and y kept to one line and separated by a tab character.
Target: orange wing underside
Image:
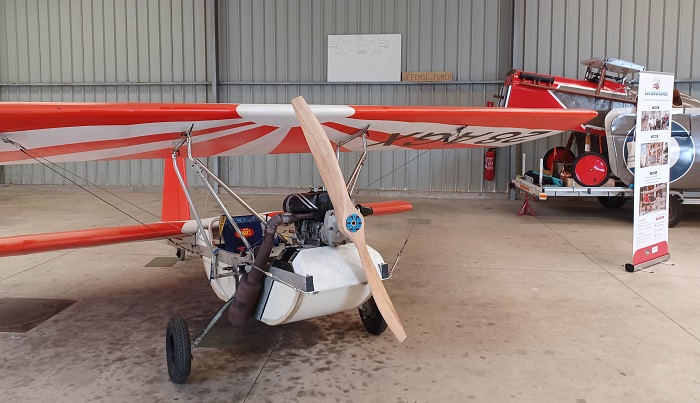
35	243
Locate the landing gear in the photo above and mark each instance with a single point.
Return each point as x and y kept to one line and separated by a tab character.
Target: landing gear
675	210
178	348
590	169
180	253
178	351
372	318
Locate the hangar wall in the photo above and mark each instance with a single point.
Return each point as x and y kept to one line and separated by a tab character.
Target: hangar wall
103	51
285	55
270	51
273	50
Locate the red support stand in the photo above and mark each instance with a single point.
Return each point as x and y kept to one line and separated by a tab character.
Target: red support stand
526	208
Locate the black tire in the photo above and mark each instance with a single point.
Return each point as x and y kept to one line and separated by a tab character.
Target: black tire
178	352
612	201
180	253
675	210
371	317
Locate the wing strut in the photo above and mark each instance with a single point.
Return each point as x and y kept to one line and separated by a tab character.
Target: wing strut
352	180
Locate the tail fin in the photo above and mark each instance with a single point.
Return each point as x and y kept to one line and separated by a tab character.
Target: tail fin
175	206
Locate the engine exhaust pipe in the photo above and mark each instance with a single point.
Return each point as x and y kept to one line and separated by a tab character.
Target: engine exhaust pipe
250	284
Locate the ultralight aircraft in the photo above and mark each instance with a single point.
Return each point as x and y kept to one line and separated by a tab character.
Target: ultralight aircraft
259	273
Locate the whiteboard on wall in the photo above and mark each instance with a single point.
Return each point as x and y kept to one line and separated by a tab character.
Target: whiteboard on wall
364	57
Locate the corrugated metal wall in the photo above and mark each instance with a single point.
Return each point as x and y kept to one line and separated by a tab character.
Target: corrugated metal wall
270	51
554	36
109	50
273	50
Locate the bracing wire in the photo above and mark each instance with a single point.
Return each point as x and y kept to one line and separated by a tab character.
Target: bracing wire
48	164
396	169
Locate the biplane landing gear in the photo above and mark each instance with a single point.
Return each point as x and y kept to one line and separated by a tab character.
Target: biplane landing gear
178	351
371	317
180	254
178	348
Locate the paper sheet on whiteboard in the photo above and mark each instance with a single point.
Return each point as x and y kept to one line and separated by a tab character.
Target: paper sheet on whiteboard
364	57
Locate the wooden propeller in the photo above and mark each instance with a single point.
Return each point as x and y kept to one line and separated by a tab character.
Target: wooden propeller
350	220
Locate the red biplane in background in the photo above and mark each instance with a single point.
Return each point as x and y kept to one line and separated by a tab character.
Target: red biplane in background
603	144
326	266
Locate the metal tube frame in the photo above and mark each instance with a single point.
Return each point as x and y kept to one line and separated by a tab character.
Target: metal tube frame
207	242
352	179
196	165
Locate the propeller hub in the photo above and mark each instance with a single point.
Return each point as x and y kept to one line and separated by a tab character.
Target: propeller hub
353	223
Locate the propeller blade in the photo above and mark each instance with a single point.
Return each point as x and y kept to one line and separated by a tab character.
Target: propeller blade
350	220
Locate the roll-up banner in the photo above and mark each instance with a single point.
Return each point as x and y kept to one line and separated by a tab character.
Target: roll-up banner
651	169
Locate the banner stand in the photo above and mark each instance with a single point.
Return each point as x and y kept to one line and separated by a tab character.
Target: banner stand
632	268
653	150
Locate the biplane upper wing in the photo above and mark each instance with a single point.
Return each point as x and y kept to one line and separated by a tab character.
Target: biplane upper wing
62	132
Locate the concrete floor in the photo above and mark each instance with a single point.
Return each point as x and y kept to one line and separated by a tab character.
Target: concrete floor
497	307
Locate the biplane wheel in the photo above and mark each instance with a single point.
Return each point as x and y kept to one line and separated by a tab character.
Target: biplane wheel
612	201
178	351
675	210
180	253
590	169
563	155
371	317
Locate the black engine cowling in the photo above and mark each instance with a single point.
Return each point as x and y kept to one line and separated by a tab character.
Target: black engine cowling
310	202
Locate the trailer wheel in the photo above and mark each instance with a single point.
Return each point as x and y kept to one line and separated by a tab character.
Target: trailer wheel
612	201
590	169
371	317
675	210
564	155
178	351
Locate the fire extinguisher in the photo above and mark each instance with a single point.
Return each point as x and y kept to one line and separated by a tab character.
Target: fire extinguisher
489	164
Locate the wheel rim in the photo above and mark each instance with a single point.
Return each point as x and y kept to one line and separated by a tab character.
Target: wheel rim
591	170
368	311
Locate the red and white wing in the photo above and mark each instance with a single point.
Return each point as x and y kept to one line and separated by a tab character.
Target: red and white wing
35	243
62	132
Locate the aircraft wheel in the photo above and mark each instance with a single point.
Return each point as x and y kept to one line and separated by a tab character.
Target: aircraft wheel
590	169
178	352
180	253
372	318
563	155
612	201
675	210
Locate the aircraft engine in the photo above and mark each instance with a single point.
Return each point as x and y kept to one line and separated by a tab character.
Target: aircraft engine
320	230
323	229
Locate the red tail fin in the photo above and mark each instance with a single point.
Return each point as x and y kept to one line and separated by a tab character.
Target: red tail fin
175	207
